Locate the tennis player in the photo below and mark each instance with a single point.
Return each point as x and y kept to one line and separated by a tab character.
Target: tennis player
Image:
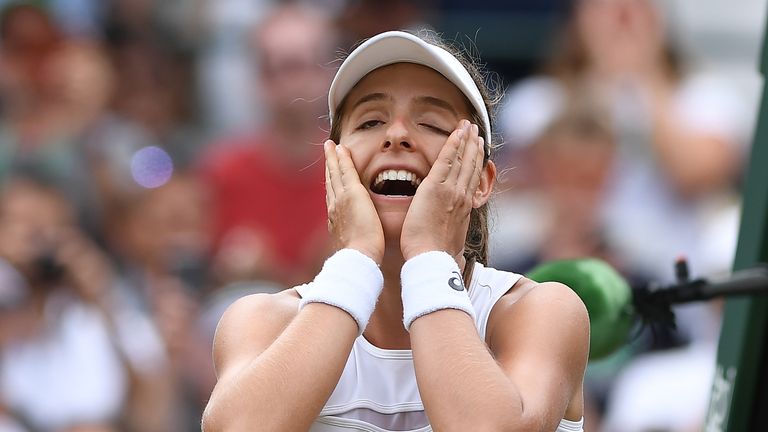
405	328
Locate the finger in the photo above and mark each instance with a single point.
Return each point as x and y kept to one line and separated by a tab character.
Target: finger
463	171
474	180
467	126
458	156
332	162
349	175
329	196
447	156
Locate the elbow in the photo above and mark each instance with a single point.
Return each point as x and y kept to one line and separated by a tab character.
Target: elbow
506	424
214	420
515	421
517	425
210	422
497	421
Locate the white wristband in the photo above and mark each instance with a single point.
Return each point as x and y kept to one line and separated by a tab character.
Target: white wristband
430	282
349	280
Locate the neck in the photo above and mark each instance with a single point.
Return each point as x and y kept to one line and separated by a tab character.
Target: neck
385	328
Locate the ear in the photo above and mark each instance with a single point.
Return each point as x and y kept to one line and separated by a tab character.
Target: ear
484	189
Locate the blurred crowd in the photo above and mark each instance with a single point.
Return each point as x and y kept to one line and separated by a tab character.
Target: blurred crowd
160	159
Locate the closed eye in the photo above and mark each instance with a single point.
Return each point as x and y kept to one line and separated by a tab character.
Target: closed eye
369	124
435	129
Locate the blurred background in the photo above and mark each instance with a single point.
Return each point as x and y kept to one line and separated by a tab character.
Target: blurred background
160	159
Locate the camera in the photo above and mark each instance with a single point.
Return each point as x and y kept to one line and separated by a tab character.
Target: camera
46	268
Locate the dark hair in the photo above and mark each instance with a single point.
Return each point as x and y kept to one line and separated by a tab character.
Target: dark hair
476	242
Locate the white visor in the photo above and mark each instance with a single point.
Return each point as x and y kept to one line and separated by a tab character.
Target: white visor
400	47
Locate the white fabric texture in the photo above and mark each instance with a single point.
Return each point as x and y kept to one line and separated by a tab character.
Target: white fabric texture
431	282
350	281
377	391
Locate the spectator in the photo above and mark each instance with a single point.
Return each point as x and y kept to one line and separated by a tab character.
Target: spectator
160	237
155	76
680	135
680	140
569	165
268	192
78	353
55	93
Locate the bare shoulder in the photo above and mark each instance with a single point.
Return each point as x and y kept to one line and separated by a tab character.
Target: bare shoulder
249	326
540	298
283	304
545	311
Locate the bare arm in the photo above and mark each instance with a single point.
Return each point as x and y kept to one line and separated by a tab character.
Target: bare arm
698	164
695	162
277	367
532	377
276	375
540	340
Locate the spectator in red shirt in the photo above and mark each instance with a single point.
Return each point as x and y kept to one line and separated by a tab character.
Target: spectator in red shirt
269	210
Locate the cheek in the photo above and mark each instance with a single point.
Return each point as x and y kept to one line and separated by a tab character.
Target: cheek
431	149
361	156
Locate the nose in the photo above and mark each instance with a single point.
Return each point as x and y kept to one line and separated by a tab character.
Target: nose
397	136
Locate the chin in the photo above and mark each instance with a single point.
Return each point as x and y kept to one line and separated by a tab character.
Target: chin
392	211
392	224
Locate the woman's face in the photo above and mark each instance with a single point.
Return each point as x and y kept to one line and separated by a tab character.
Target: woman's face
612	28
396	121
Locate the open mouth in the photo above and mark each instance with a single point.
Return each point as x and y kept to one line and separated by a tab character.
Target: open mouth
396	183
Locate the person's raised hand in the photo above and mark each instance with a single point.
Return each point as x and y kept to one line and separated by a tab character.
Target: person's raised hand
438	217
633	51
352	219
86	268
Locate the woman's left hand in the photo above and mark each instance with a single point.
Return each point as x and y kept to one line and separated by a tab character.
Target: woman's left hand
438	217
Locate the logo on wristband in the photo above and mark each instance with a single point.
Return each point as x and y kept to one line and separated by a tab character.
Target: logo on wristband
456	282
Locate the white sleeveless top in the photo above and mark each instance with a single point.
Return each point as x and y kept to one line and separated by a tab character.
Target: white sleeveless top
377	391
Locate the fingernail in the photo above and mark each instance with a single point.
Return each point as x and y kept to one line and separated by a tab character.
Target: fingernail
460	133
474	128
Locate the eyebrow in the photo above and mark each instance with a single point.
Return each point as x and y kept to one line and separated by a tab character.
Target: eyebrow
423	100
370	97
437	102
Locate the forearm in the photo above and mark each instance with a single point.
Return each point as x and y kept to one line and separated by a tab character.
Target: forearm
286	386
461	385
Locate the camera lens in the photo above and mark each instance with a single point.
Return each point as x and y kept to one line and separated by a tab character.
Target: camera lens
47	268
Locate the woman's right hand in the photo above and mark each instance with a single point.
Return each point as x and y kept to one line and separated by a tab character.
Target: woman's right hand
352	219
